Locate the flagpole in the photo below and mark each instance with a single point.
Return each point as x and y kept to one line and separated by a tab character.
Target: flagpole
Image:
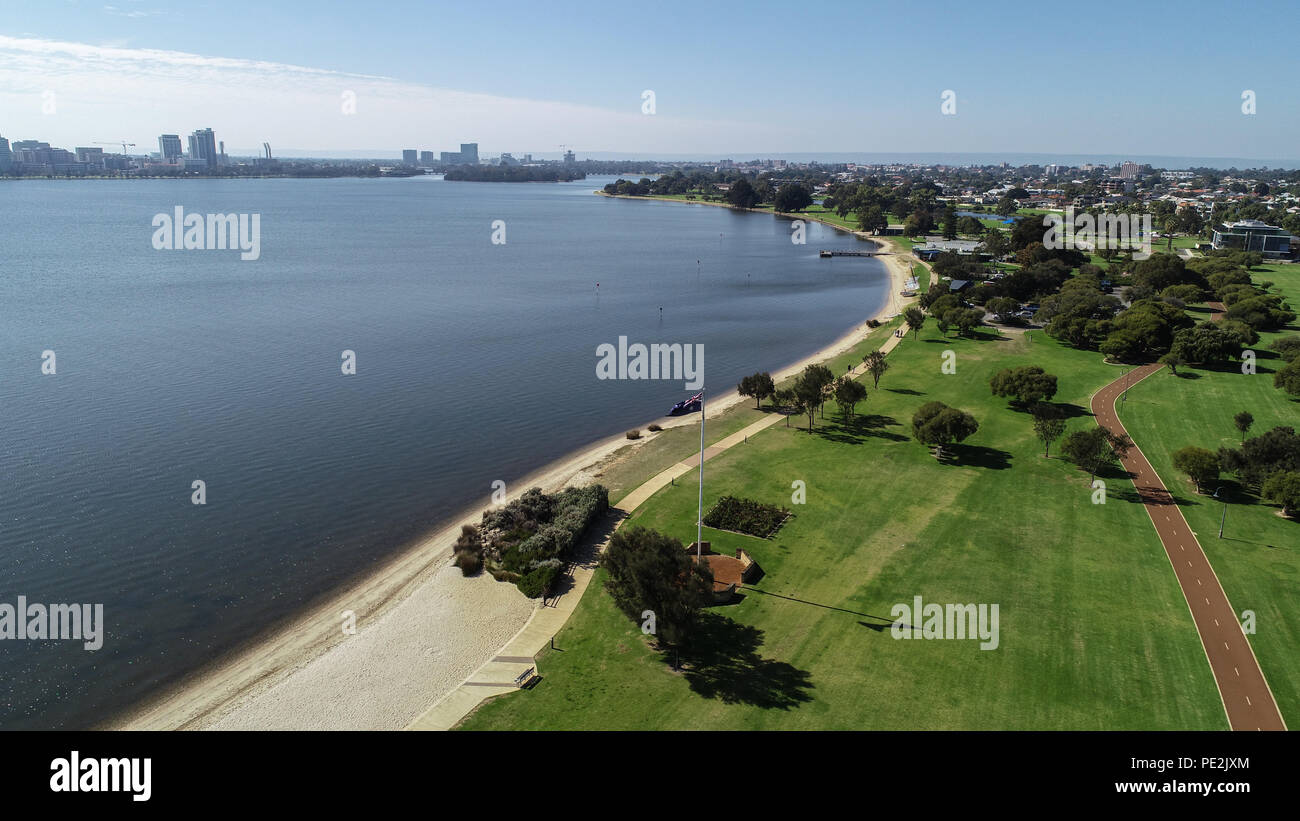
699	521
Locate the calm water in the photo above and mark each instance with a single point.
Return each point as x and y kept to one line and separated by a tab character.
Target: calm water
475	362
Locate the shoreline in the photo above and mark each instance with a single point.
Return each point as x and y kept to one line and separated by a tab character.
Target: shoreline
421	627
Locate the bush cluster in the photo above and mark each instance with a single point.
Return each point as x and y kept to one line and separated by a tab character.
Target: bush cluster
529	539
746	516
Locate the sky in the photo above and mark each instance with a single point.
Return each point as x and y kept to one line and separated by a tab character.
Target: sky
729	79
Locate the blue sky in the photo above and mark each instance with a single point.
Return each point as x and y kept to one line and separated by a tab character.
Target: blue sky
729	78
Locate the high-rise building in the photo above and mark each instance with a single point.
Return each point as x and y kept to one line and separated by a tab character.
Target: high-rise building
408	156
6	156
569	157
169	148
1128	171
449	157
469	153
203	146
426	158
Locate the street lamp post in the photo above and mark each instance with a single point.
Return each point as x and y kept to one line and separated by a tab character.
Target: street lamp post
1223	520
699	520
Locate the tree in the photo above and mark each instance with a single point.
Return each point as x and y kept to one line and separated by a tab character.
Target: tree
935	424
915	319
1173	360
970	226
793	198
741	194
876	366
810	389
1026	385
1260	456
1002	307
872	219
1048	427
1206	344
1287	347
934	293
966	319
848	393
786	398
950	222
1096	449
1283	487
759	386
995	244
1201	465
651	571
1025	232
1288	378
1243	421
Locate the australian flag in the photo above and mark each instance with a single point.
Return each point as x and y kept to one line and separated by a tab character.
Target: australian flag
687	405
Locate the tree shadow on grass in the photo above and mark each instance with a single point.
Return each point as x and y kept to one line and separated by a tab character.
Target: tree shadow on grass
1060	410
859	429
1145	495
976	456
723	662
907	391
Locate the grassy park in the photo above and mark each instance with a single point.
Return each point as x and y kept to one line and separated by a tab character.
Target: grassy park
1094	632
1258	559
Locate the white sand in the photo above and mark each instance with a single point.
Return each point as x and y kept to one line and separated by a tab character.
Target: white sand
422	628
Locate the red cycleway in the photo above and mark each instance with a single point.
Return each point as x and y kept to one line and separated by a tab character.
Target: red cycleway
1246	696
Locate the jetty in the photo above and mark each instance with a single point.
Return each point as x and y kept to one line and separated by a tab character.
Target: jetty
825	253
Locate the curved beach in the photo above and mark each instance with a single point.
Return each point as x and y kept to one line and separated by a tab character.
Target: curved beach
421	628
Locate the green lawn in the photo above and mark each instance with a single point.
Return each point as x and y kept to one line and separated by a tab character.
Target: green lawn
1258	560
1095	633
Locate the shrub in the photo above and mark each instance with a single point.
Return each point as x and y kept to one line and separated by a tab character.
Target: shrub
745	516
469	550
655	428
634	434
1287	347
538	581
469	562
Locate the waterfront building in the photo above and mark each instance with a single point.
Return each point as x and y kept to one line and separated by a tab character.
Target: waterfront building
203	146
169	148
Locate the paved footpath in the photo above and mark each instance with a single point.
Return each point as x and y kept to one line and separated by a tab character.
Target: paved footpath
498	675
1246	696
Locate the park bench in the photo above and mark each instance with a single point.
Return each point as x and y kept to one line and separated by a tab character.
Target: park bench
525	678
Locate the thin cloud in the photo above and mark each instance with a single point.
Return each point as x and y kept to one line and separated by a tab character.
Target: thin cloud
137	93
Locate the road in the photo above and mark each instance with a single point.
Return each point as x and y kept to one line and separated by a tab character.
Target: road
1246	696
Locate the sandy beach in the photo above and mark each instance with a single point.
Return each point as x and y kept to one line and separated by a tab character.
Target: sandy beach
421	627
